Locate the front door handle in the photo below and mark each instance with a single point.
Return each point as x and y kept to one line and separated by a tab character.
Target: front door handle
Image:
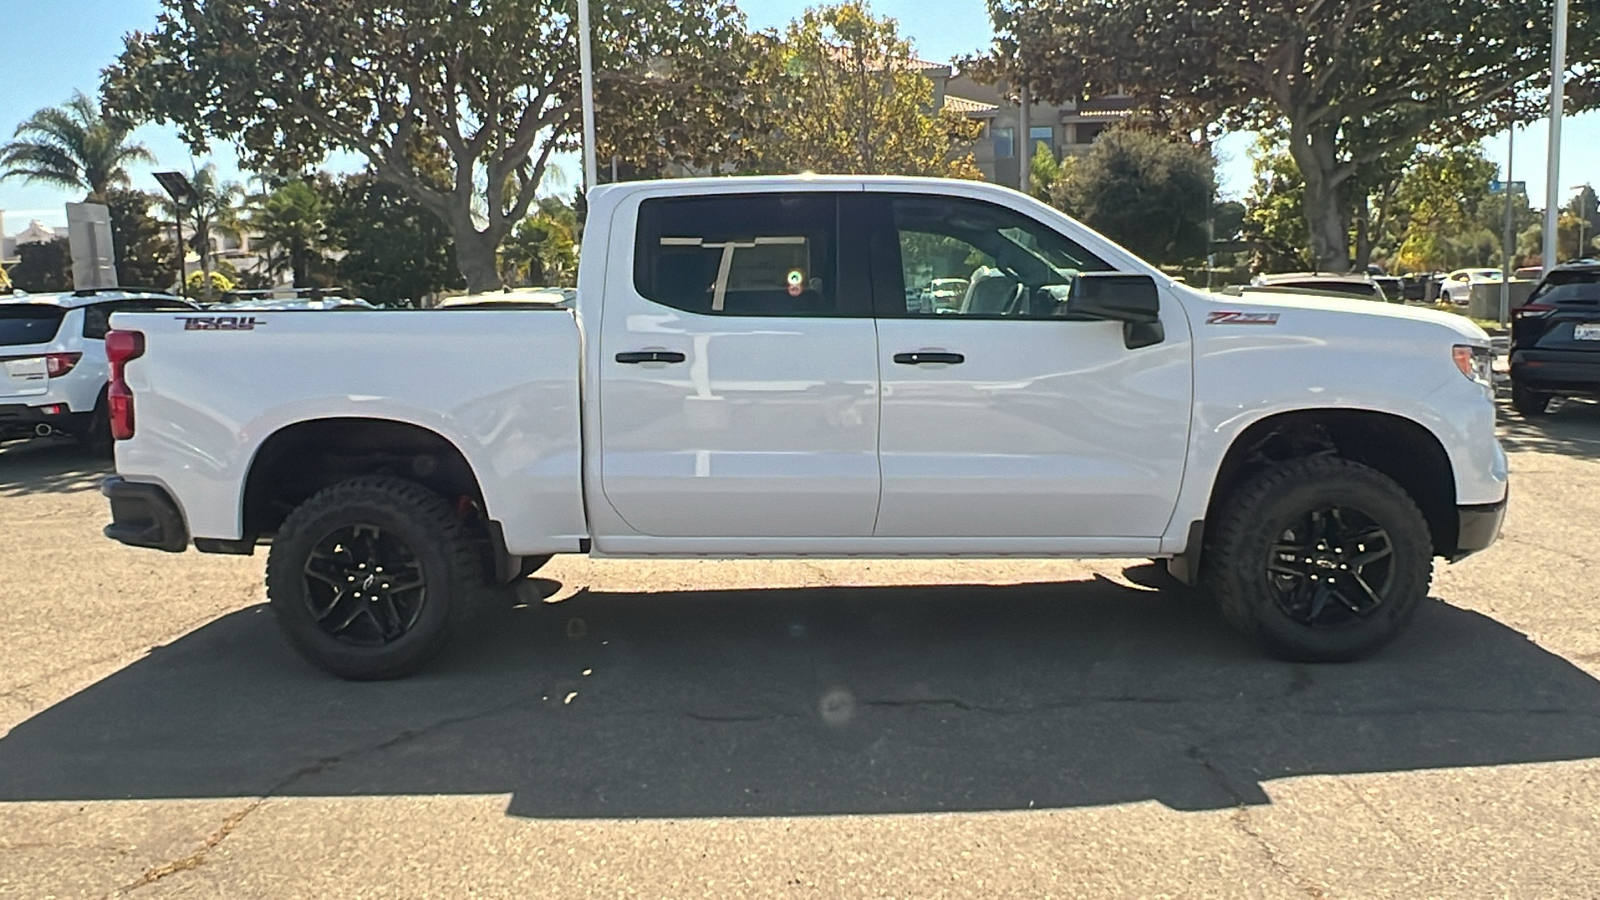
928	356
650	356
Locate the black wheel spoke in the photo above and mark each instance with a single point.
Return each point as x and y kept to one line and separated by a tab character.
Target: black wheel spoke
364	586
1331	567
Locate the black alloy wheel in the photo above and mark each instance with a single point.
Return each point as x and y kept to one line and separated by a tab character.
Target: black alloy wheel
364	586
1333	567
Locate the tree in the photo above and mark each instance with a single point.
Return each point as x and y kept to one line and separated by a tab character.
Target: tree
213	209
1046	171
291	223
1146	191
74	146
1440	196
145	253
542	250
494	82
43	266
855	101
396	252
1275	217
1350	84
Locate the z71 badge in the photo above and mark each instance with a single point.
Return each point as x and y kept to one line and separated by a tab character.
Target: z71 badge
1242	318
219	323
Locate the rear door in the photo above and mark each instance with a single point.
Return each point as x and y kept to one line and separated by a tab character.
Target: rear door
26	332
738	372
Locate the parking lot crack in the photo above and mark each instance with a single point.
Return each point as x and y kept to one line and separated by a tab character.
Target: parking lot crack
220	834
1240	818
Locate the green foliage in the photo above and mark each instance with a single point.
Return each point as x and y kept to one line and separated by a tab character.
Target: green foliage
852	100
542	250
291	224
395	252
74	146
1353	86
43	266
219	281
1440	225
1275	217
145	253
1145	191
493	83
1045	171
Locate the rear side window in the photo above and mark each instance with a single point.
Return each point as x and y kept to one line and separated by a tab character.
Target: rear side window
25	324
97	318
1569	287
740	255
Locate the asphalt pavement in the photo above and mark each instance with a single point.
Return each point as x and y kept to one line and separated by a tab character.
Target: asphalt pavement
1015	728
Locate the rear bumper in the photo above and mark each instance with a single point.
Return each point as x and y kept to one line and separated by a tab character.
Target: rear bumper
1570	371
19	419
144	515
1479	527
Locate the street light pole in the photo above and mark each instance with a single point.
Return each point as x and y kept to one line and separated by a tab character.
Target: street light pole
591	172
1507	245
1552	184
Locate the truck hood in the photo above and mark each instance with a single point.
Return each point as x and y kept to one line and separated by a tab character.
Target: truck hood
1265	303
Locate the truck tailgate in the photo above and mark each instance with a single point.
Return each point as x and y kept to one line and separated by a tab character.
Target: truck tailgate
501	385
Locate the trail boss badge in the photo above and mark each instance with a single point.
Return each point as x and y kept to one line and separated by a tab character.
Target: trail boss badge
219	323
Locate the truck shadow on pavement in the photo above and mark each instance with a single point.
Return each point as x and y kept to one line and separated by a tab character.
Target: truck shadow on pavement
815	701
49	466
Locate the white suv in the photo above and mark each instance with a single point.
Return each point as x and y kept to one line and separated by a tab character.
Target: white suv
53	367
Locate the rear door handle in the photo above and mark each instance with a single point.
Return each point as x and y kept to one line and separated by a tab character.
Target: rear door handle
650	356
928	356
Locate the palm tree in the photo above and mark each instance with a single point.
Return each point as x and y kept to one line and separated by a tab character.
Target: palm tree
213	209
292	223
73	146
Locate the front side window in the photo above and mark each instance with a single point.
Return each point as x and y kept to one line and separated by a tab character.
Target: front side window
970	258
740	255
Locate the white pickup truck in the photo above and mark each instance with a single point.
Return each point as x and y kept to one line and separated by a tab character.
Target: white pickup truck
805	366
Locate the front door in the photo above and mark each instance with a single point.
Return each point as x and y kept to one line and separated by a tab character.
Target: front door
739	375
1000	417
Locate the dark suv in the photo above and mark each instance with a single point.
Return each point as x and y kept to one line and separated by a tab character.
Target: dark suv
1555	338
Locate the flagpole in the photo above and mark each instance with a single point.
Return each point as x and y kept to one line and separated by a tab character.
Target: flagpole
591	172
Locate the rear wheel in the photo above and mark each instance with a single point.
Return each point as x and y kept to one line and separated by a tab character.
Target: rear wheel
370	577
1529	402
1320	559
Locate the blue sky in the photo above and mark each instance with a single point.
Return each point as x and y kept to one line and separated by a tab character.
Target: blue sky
53	46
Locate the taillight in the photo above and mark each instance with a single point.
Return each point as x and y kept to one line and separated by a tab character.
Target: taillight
59	364
1532	311
121	348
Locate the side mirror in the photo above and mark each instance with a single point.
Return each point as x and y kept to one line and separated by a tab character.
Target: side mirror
1133	300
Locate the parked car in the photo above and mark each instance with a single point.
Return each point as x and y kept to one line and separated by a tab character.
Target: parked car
741	376
288	301
53	367
1555	339
1457	286
1364	287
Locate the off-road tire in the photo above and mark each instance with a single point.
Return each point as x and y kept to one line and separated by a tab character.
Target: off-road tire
1530	403
1255	519
425	524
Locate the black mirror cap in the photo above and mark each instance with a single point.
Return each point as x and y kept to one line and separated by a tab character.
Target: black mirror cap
1117	296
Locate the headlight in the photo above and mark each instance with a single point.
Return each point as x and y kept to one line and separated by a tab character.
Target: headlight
1476	363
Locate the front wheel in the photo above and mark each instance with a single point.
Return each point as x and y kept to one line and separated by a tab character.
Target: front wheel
1320	559
369	578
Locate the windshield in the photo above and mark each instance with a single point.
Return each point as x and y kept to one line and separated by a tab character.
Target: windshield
29	324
